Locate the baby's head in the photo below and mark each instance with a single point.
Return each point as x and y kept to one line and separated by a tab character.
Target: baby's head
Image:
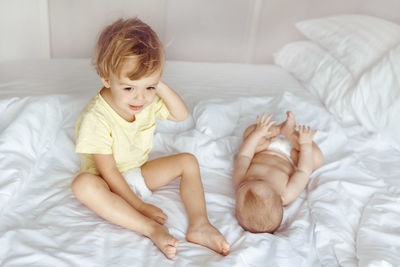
258	207
130	43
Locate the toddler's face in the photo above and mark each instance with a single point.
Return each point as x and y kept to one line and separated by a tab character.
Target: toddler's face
132	96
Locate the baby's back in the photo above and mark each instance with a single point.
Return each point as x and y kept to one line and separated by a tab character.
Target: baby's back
271	167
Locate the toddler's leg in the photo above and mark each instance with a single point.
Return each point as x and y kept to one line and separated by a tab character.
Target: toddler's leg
161	171
94	192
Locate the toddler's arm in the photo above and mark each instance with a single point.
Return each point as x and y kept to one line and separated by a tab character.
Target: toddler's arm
298	181
176	107
248	148
117	183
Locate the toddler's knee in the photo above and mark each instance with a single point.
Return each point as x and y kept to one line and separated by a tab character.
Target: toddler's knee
78	183
188	159
83	184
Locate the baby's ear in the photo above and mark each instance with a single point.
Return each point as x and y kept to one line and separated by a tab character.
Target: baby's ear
106	82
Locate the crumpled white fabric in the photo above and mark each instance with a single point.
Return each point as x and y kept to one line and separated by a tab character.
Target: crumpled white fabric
336	221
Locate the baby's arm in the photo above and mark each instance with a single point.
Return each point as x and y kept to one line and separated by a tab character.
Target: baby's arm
248	148
242	164
298	181
176	107
262	144
117	183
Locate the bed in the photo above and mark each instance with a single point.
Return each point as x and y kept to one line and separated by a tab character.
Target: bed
342	79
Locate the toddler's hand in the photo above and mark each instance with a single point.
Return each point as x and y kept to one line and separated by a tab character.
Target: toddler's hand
306	135
160	85
263	124
153	212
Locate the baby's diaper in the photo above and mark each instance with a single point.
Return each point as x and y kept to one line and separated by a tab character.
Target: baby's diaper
136	182
281	145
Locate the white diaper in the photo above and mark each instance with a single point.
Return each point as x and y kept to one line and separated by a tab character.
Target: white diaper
281	145
136	182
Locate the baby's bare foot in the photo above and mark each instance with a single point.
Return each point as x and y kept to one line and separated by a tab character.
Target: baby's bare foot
164	241
207	235
289	126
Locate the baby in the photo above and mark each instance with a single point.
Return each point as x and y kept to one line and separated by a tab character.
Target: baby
114	135
271	170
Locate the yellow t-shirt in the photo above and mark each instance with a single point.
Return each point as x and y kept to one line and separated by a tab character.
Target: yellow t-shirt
100	130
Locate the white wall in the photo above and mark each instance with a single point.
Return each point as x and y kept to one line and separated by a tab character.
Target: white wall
24	29
245	31
75	24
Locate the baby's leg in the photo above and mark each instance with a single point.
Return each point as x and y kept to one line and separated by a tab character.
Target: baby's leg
94	192
318	158
161	171
288	130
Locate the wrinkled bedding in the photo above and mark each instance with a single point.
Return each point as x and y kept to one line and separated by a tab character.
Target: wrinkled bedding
349	214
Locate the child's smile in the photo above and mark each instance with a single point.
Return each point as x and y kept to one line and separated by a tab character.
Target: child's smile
136	108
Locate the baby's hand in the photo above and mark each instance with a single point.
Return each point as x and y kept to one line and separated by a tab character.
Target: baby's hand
306	135
263	125
153	212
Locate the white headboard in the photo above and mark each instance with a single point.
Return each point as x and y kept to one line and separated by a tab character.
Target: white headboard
243	31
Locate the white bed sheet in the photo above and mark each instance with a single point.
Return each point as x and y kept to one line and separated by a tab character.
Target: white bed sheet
348	215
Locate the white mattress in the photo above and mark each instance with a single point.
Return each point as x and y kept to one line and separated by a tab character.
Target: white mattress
349	214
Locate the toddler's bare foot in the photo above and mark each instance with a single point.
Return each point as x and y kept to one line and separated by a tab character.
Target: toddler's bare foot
289	126
207	235
164	241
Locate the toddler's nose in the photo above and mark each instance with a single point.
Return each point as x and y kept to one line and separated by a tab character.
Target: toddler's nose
139	96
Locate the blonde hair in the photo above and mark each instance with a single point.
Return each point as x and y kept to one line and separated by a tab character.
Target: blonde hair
260	214
128	39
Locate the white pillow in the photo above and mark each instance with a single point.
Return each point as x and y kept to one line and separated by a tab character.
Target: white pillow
320	73
216	117
375	101
357	41
167	126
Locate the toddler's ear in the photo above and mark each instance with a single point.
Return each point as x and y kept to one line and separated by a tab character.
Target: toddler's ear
106	82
